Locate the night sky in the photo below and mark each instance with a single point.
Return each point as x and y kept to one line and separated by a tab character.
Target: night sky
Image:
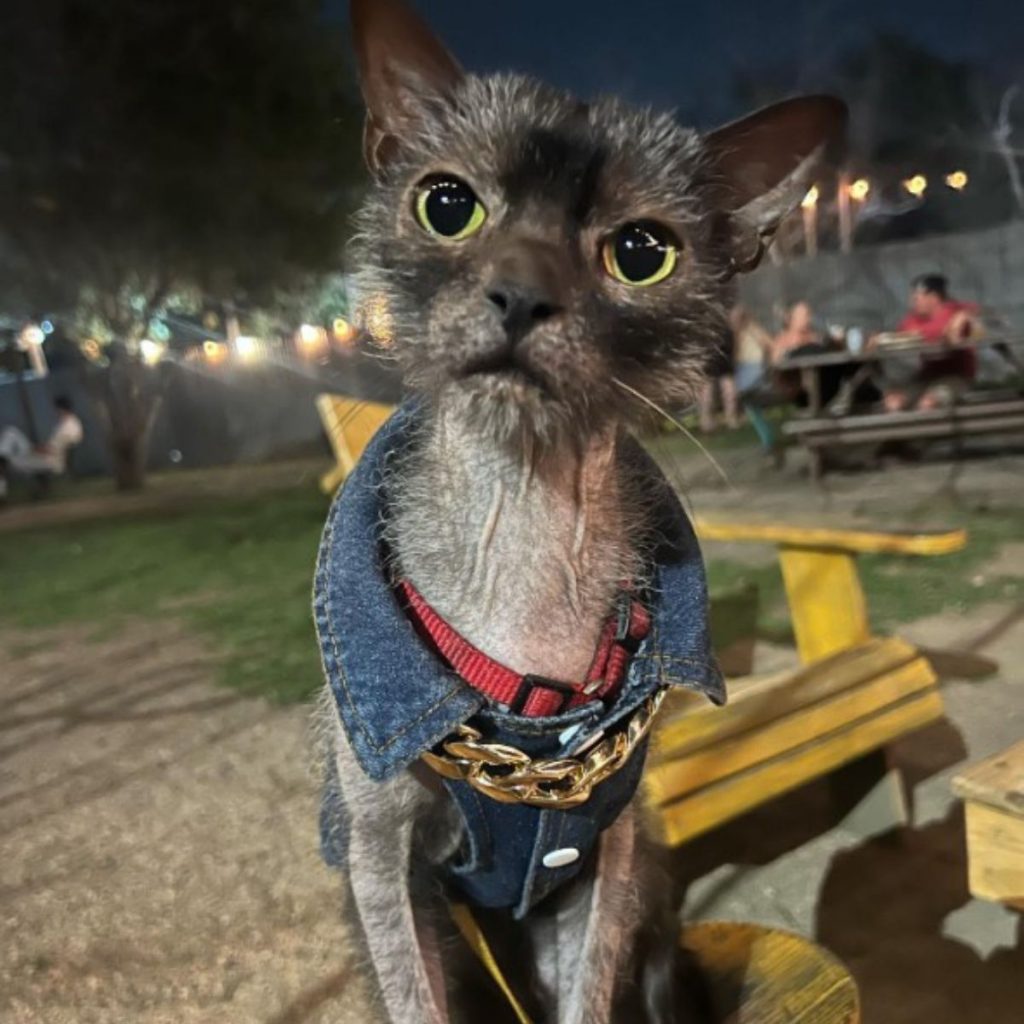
686	55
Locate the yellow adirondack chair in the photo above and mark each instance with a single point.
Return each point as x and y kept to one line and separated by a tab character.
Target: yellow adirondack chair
349	423
853	694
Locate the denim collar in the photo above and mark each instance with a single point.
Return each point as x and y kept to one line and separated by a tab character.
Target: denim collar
395	697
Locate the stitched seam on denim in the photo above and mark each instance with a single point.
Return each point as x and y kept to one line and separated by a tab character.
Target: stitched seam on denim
360	721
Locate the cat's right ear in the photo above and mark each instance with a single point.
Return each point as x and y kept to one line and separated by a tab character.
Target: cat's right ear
762	166
403	70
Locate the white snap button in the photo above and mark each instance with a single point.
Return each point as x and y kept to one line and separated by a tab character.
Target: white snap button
561	858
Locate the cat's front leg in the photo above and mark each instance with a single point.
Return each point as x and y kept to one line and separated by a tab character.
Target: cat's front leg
596	926
405	958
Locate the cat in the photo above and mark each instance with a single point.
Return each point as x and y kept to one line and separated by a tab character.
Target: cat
546	271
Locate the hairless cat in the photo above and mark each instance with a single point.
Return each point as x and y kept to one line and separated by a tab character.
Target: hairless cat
507	586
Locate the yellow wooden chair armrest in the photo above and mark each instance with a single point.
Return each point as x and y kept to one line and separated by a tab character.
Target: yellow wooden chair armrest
826	602
917	542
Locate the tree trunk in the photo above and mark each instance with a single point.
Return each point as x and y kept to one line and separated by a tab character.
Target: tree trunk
129	456
128	400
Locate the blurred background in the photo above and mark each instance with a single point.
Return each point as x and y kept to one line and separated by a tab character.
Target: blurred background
177	179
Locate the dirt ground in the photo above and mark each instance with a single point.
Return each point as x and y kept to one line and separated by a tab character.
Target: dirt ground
159	844
159	838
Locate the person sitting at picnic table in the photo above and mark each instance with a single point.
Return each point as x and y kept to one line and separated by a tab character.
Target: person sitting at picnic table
797	332
19	455
950	326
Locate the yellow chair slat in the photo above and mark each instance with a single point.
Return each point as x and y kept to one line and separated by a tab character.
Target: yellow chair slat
690	723
723	799
349	423
764	741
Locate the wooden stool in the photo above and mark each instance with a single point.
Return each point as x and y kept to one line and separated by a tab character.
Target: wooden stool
766	976
993	792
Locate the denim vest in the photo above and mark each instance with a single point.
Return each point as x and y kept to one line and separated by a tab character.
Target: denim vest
397	699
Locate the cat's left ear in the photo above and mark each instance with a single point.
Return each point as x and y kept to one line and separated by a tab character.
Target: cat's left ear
403	69
763	165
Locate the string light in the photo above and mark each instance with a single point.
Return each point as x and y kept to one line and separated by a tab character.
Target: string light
916	185
859	189
215	351
151	351
810	200
344	332
957	180
246	346
312	339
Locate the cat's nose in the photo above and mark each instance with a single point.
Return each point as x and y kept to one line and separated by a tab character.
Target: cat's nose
521	306
525	284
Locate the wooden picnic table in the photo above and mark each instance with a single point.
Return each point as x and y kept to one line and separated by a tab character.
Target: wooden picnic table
823	425
869	359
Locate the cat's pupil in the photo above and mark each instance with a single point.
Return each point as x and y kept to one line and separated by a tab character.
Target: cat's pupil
641	250
449	206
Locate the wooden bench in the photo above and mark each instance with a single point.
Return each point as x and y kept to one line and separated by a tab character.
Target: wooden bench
963	420
993	794
853	694
349	424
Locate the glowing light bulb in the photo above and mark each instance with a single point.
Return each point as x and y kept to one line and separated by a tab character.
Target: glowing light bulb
810	200
151	351
957	180
916	185
859	189
246	346
344	332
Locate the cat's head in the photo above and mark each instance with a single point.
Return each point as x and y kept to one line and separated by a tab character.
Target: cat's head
539	260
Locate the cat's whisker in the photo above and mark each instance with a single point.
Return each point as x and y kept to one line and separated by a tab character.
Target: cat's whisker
678	425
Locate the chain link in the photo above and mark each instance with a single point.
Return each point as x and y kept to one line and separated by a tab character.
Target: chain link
509	776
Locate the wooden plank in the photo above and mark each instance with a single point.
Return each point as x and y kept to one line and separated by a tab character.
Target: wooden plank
349	424
995	854
718	803
769	976
997	781
765	742
753	702
918	542
921	433
973	410
826	601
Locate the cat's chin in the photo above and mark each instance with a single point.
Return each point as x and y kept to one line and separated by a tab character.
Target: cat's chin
510	407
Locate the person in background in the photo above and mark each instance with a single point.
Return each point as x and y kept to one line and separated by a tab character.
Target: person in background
798	330
720	370
950	326
752	349
17	453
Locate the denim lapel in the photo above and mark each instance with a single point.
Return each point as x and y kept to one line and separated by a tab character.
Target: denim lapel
677	652
395	697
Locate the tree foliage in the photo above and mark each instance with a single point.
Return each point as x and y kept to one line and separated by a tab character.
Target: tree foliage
158	147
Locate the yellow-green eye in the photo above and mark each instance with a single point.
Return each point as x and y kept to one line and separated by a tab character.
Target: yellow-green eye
448	207
641	253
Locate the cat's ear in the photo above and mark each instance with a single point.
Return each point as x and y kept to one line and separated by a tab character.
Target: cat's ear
764	164
403	68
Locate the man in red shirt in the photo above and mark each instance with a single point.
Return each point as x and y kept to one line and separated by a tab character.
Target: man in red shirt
948	325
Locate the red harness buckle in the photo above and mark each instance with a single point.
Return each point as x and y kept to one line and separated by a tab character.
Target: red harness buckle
535	695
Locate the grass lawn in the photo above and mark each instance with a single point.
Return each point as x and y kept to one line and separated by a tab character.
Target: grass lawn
240	572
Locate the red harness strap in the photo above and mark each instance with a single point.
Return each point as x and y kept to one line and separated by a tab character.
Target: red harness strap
533	695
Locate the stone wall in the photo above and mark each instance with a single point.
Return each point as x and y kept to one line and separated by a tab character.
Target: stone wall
868	287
